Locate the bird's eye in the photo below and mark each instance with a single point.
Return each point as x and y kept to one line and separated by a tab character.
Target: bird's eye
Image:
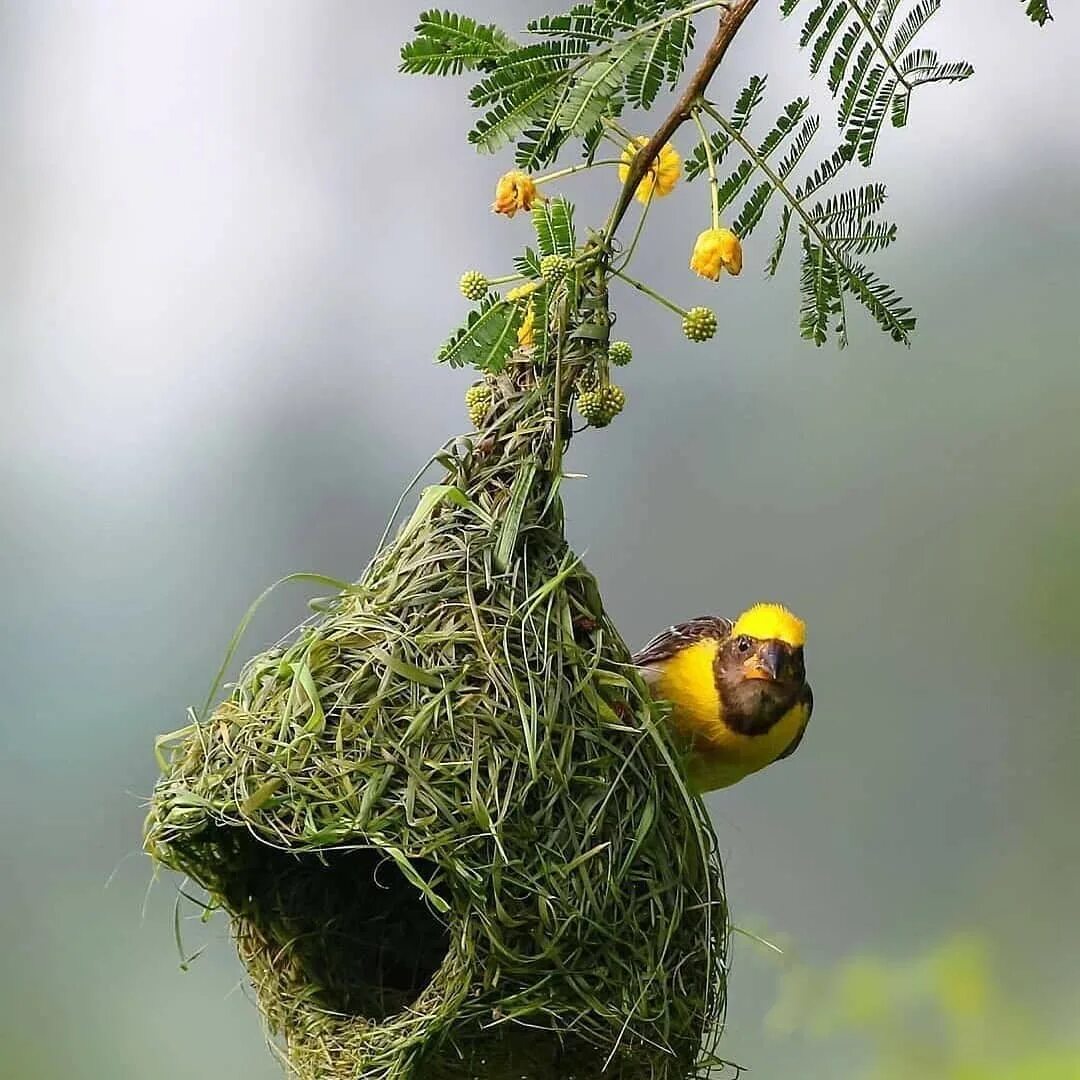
744	644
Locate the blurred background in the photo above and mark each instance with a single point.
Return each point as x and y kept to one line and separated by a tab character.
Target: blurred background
232	236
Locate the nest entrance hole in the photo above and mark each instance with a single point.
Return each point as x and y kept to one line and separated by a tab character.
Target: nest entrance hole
345	929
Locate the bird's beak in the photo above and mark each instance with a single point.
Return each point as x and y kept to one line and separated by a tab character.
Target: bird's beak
765	663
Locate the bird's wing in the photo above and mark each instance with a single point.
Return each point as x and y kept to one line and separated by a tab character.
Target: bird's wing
670	641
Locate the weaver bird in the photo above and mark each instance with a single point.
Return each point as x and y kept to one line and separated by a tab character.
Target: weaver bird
738	690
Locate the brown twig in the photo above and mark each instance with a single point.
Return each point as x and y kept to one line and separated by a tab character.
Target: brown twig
731	18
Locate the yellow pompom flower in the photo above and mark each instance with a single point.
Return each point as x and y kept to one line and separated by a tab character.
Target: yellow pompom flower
515	191
663	174
716	250
526	331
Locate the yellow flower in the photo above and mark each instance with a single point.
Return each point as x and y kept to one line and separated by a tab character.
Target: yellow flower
716	250
515	191
525	334
663	173
522	291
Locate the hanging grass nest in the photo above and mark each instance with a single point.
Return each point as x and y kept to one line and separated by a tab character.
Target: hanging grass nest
444	816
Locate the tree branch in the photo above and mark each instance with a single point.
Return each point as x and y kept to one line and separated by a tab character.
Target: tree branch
731	18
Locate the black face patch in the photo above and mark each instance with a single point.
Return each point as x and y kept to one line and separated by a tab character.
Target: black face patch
793	668
753	706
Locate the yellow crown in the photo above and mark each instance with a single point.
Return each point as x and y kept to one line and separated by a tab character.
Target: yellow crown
771	621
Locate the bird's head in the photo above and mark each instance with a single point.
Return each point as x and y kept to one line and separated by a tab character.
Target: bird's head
764	652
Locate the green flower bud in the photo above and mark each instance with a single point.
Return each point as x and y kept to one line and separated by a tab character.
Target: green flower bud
599	406
699	324
478	399
473	285
555	267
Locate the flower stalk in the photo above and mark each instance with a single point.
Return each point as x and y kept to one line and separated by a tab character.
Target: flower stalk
650	292
714	180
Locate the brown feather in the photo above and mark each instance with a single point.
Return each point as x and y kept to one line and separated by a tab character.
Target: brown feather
668	642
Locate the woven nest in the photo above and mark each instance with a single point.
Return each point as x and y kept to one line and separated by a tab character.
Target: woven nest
444	816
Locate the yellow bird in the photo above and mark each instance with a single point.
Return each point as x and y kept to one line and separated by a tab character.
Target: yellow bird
738	690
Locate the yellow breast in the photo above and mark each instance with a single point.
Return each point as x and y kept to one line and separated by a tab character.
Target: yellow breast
717	755
721	762
688	682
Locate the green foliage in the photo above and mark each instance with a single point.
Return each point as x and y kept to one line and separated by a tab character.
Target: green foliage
590	95
873	73
487	337
489	334
1038	11
578	70
720	142
791	119
942	1014
553	221
447	44
833	232
593	61
664	58
528	264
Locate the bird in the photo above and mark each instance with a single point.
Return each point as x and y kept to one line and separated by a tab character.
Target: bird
738	691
